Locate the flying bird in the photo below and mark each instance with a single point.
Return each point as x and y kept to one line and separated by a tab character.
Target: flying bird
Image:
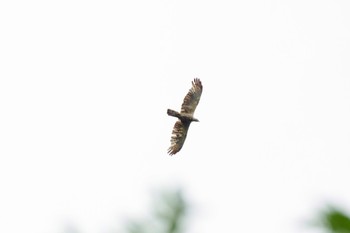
185	116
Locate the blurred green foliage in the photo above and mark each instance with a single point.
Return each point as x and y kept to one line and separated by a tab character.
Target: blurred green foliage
334	220
170	211
168	215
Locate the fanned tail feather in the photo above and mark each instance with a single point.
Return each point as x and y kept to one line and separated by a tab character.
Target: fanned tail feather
173	113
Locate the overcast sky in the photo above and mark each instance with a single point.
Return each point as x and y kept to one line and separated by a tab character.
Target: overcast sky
84	88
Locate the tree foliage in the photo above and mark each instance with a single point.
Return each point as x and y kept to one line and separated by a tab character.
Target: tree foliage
168	215
335	220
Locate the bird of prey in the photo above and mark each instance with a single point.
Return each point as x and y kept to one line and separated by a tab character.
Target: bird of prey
185	116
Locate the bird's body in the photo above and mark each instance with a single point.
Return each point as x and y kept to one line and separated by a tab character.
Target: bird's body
182	117
185	116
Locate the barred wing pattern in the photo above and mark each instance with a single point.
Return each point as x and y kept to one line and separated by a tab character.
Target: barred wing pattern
178	136
192	98
188	107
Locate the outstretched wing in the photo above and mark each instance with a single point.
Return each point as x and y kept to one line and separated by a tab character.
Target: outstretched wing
178	136
192	98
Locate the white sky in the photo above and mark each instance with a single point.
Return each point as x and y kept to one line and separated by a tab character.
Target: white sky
84	88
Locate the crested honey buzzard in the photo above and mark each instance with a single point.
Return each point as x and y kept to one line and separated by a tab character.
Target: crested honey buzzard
185	117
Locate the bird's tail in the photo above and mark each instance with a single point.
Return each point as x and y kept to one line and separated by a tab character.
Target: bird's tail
173	113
